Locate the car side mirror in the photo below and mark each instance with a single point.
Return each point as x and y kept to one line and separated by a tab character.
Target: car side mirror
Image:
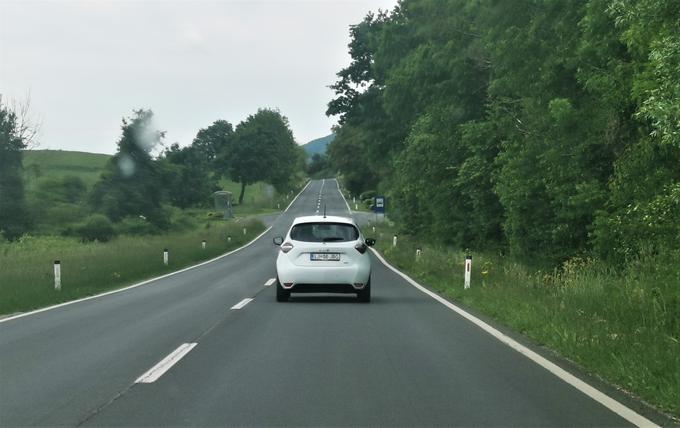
278	240
370	242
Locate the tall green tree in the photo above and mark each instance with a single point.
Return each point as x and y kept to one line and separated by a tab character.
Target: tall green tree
641	210
189	180
132	183
14	217
263	149
210	141
550	125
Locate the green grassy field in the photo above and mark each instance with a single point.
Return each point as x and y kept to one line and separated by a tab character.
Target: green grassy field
58	164
260	198
621	326
26	267
26	278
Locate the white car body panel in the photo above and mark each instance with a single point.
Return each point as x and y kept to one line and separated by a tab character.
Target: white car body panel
295	267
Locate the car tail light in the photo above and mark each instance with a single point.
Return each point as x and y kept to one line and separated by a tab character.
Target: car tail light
360	247
286	246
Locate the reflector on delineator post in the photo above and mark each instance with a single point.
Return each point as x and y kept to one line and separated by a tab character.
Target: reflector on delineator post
57	275
468	271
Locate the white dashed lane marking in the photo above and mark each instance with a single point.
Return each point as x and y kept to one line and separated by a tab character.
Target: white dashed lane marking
241	304
165	364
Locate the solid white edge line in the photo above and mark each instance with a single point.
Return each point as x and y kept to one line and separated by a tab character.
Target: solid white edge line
298	195
119	290
343	196
269	282
611	404
241	304
165	364
608	402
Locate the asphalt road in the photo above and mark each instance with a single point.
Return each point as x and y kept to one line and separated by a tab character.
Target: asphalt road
317	360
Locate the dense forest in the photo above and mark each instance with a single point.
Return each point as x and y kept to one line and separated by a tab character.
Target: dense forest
541	128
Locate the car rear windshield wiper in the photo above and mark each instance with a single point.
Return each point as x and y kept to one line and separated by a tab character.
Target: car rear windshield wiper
333	239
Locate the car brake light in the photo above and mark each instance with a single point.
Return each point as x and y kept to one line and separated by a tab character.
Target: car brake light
360	247
286	246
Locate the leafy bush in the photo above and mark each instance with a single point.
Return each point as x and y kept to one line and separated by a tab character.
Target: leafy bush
138	225
367	196
96	227
641	228
55	216
68	189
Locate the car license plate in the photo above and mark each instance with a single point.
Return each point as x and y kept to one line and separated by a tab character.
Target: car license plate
324	257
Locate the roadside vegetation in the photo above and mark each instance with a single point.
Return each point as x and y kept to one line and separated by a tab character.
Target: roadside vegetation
47	165
108	218
619	325
88	268
545	130
545	138
138	189
317	164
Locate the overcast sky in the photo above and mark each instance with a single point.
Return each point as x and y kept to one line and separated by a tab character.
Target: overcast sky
87	64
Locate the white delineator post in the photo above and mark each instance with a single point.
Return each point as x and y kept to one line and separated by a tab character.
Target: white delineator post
203	244
468	271
394	241
244	230
373	229
166	256
356	207
229	238
57	275
418	252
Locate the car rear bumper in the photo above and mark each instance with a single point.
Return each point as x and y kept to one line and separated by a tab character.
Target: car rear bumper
324	288
306	279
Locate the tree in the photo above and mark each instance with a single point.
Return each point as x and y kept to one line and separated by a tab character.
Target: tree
263	149
552	127
189	180
210	141
16	133
132	183
345	153
318	163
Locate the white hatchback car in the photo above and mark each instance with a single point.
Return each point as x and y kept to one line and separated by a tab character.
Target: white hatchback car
323	254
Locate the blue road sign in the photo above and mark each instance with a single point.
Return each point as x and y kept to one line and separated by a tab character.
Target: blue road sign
379	205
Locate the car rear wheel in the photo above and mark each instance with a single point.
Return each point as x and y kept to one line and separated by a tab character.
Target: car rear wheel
364	295
282	294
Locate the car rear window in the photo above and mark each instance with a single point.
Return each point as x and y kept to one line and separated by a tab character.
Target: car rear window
324	232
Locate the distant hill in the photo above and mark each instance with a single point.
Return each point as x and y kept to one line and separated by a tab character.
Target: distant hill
319	145
60	163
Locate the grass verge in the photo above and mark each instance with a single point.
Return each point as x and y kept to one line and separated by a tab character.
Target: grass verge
56	164
26	267
260	198
623	327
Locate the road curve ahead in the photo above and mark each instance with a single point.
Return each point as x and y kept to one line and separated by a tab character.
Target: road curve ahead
192	349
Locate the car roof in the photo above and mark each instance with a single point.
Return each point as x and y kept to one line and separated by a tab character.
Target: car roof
323	219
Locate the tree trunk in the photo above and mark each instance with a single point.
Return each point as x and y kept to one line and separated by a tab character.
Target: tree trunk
243	192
